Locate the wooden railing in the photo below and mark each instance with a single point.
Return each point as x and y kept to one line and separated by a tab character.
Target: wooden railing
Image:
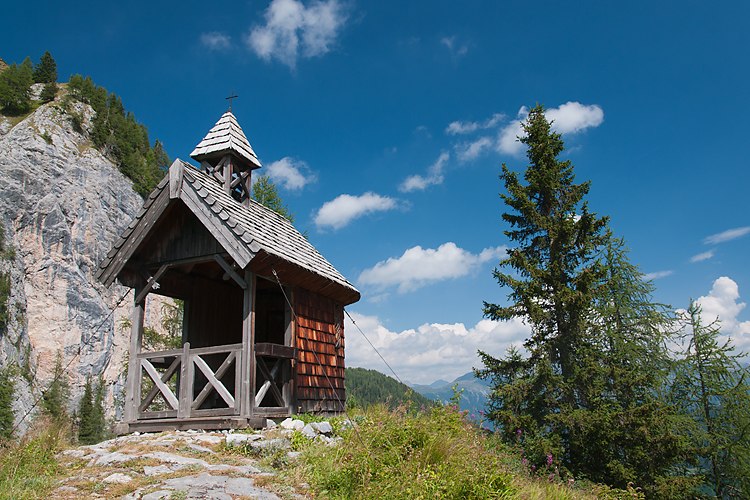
276	380
180	376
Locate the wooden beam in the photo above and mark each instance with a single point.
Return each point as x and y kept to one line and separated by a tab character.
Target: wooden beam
223	392
247	344
219	373
186	382
175	179
151	395
160	385
133	387
231	272
151	282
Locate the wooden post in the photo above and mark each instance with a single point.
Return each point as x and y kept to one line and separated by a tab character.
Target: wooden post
186	383
288	387
133	389
247	366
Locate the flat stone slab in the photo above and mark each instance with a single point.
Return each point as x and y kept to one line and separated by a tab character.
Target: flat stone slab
118	478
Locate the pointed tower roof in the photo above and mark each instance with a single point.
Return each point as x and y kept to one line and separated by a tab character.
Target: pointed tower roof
224	138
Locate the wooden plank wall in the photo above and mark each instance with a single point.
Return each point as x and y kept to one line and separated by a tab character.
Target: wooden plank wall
318	333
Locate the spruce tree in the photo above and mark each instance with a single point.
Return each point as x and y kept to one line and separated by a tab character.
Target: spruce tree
552	288
596	355
86	430
712	387
57	396
45	71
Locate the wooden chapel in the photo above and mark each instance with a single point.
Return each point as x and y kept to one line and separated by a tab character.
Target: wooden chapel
263	331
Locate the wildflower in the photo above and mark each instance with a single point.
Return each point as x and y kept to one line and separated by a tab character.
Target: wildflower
481	412
519	432
472	415
549	459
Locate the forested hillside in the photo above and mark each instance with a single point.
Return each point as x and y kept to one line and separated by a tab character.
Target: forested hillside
368	387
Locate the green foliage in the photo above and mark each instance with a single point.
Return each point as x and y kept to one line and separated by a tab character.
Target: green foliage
370	387
394	456
712	388
15	86
28	468
4	300
45	70
7	392
117	134
49	91
587	396
91	427
47	138
56	398
266	193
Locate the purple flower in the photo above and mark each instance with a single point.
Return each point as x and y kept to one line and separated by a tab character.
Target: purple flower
481	412
549	459
472	415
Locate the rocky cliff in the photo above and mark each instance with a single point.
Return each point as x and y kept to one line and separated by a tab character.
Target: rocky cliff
62	204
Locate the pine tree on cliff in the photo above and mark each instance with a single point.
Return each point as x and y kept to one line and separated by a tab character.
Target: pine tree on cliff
45	71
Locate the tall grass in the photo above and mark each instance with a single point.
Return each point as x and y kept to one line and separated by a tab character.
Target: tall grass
28	468
435	454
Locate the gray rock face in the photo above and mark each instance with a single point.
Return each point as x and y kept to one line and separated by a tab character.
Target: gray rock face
63	204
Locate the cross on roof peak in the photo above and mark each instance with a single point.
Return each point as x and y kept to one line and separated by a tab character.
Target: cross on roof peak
232	96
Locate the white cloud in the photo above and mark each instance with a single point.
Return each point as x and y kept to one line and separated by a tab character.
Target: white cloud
573	117
290	173
432	351
292	28
215	40
721	303
434	176
727	235
507	139
569	118
472	150
702	256
460	127
657	275
456	50
341	211
419	267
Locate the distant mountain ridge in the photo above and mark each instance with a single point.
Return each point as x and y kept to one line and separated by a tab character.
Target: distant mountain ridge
473	399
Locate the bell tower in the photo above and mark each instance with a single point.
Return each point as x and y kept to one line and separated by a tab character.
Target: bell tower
226	154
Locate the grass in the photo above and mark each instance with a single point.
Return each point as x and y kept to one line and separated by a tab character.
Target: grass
396	454
28	468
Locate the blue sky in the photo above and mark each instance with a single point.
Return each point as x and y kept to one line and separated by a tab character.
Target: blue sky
385	125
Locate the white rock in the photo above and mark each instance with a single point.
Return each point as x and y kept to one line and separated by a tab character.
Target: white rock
322	427
118	478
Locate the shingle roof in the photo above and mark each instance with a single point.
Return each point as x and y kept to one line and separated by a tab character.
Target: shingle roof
225	137
246	230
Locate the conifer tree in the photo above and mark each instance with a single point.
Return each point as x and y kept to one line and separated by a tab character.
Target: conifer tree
57	396
45	70
87	426
596	354
712	387
552	288
15	85
7	392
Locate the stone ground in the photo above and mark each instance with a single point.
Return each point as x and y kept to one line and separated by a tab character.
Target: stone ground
177	465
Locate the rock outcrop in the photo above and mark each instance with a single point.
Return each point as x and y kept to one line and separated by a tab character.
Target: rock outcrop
62	204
